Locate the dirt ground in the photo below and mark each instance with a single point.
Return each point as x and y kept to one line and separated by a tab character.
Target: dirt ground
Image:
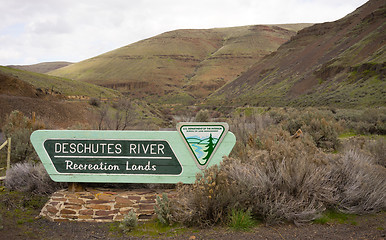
360	227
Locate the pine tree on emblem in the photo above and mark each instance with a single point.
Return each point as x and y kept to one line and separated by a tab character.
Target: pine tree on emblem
210	148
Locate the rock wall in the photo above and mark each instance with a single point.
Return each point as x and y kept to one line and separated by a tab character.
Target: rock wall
101	205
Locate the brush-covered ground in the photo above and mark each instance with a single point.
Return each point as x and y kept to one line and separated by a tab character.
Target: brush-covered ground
20	221
328	182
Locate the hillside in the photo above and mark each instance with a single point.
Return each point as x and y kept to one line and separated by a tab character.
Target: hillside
57	86
45	95
63	103
339	63
183	64
41	67
17	94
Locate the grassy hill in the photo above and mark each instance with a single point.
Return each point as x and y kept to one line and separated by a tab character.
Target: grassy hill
59	86
181	65
41	67
339	63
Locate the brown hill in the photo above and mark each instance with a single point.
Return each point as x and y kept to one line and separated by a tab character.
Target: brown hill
62	103
182	64
17	94
41	67
13	86
338	63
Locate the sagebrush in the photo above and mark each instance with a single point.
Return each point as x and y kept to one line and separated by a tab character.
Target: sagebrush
31	177
162	209
129	222
280	177
18	127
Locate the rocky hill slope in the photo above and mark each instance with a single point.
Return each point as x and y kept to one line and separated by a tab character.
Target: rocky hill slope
339	63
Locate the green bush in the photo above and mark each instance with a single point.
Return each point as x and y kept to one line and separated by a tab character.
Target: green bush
321	124
368	121
19	128
129	222
162	209
241	220
96	102
202	116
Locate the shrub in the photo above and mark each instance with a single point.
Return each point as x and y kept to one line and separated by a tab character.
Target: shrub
376	148
360	184
162	209
247	131
240	220
19	128
321	124
280	178
369	121
205	202
95	102
30	177
202	116
286	180
129	222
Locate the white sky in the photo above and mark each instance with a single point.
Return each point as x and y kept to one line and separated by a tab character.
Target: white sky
33	31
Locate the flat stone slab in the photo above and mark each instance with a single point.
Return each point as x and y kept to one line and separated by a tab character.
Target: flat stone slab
102	205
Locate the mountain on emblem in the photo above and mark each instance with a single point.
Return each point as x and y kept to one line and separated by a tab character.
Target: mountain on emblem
202	139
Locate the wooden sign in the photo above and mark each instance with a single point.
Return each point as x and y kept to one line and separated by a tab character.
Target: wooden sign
132	156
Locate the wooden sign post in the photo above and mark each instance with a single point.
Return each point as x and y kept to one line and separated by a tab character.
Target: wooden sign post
132	156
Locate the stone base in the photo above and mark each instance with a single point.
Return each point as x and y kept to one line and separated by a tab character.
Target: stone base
101	205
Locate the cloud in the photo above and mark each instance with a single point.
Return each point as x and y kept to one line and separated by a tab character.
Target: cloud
74	30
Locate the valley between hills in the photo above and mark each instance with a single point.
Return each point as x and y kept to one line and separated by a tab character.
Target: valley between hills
334	64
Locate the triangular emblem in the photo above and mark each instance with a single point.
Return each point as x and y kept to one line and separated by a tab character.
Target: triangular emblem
202	139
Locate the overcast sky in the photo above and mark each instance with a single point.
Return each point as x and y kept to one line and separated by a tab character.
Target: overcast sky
33	31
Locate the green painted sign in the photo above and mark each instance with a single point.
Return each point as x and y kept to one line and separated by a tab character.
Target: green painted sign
130	156
112	156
